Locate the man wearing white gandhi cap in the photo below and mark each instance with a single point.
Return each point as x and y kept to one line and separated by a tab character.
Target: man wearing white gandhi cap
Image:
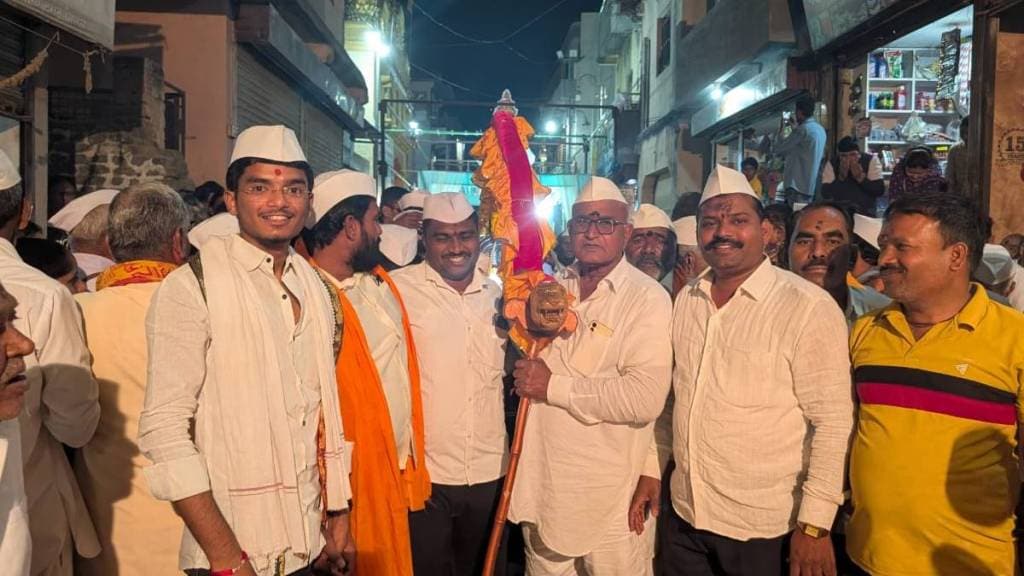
60	408
652	246
595	394
240	349
377	371
452	307
85	220
763	411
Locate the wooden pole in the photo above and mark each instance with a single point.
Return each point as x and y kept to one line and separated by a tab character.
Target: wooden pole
500	515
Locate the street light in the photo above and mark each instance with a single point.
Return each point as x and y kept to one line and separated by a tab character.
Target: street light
550	127
414	125
377	43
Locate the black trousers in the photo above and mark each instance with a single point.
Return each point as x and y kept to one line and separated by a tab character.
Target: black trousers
687	551
449	536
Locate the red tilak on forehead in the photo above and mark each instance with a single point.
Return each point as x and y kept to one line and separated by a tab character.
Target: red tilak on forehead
277	171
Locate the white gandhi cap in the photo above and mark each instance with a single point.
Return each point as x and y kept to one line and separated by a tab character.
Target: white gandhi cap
8	172
398	243
223	224
331	188
867	228
276	143
71	215
447	207
996	266
724	181
597	189
414	200
650	216
686	231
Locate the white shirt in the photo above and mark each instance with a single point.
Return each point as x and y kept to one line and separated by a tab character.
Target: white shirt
585	448
61	407
180	384
92	265
763	406
380	315
16	544
461	354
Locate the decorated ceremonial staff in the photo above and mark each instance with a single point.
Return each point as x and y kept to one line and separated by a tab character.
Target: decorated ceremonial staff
536	306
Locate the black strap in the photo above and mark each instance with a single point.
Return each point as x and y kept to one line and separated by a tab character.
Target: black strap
196	264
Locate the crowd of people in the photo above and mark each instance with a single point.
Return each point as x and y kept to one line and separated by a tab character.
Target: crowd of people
288	376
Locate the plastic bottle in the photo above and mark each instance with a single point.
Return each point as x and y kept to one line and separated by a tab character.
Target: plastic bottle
901	98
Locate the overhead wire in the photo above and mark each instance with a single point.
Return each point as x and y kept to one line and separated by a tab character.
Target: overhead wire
444	80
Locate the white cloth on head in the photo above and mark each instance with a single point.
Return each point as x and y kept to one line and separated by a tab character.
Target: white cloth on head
71	215
332	188
763	410
867	228
398	243
414	200
650	216
92	265
997	266
9	175
589	441
461	352
61	408
276	143
447	207
686	231
223	224
725	180
255	450
598	188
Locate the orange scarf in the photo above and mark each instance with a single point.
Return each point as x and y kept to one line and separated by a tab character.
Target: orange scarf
382	493
134	272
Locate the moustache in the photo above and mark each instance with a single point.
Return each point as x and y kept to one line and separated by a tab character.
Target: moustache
816	262
891	268
716	242
15	367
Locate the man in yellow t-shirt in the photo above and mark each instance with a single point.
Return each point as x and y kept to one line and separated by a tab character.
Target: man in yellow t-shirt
938	375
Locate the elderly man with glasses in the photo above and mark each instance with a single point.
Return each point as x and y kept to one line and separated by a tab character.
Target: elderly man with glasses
596	395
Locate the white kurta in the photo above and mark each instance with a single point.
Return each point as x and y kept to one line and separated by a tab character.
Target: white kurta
461	354
585	448
139	534
61	407
381	318
16	543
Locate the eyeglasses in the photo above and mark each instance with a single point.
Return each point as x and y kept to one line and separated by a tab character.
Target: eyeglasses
290	191
582	224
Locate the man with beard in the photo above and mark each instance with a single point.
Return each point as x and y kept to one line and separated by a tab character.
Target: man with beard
16	544
934	465
596	394
453	305
241	419
377	371
652	246
820	252
61	405
762	410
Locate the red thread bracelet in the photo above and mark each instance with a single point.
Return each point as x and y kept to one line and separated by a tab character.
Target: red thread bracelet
232	571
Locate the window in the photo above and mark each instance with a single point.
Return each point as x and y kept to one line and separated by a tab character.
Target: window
664	43
174	121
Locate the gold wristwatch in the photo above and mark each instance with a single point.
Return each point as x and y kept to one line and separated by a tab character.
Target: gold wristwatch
812	531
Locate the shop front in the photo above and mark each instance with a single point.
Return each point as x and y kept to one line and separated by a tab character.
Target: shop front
904	73
749	120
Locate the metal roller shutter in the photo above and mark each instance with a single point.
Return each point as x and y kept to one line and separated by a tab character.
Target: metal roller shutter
322	139
263	96
12	60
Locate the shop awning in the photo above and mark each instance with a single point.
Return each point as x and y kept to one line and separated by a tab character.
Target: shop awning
768	89
91	20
